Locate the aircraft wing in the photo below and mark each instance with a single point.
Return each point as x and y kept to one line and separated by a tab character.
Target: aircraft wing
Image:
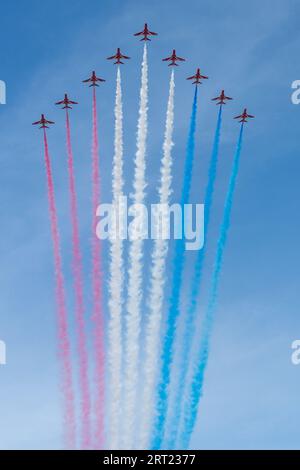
124	56
139	34
112	57
180	58
167	58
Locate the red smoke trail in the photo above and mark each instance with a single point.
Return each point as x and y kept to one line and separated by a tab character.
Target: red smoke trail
62	321
97	288
79	302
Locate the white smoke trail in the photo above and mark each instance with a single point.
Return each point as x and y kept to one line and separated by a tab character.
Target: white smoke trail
157	281
133	314
116	281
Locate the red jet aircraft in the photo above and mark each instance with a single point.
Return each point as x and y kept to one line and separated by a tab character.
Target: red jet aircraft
43	121
244	116
197	77
118	56
93	79
173	59
66	102
145	33
222	98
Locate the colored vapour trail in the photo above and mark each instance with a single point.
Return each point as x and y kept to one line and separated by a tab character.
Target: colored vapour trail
116	281
173	313
195	386
97	289
133	313
190	319
157	282
62	320
85	403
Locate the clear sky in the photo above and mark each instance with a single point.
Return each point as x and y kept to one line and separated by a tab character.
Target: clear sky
249	48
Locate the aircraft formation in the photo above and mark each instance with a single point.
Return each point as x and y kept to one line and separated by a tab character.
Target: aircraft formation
118	57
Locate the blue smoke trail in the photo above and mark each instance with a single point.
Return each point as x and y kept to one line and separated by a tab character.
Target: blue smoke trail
173	313
189	322
195	388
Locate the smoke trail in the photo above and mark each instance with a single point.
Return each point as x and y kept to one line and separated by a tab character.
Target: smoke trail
189	322
116	280
97	288
133	316
173	313
79	303
194	388
62	320
157	280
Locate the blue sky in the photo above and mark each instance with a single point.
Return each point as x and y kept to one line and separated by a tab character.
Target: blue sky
250	49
